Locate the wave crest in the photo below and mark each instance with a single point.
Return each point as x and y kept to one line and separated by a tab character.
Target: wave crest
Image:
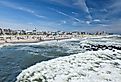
91	66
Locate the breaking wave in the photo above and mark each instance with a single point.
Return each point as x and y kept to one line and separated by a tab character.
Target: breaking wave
91	66
99	61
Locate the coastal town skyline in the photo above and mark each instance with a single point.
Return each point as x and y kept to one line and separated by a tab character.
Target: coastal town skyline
6	31
65	15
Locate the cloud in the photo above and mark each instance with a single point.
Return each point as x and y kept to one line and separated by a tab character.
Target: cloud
78	4
40	16
97	20
115	4
88	22
64	14
114	9
83	6
31	12
64	22
15	6
25	9
74	13
63	2
73	3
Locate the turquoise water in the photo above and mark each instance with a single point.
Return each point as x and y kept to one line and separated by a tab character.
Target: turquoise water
15	58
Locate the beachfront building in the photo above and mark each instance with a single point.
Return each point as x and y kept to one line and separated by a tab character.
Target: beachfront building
61	32
13	32
47	33
75	33
7	32
34	31
29	32
101	33
39	33
53	33
1	32
21	32
82	33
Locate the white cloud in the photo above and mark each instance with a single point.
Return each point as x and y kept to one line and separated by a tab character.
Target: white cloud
63	2
15	6
88	22
25	9
104	10
64	22
78	4
40	16
82	5
115	4
96	20
62	13
114	8
74	13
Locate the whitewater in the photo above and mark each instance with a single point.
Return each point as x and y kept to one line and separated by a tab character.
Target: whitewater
95	59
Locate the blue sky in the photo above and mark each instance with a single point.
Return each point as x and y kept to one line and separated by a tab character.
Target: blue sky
66	15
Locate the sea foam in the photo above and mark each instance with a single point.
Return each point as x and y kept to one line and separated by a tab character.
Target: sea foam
91	66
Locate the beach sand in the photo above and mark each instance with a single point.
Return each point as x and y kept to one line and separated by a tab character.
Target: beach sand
29	39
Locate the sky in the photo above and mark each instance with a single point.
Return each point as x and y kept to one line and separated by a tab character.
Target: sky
64	15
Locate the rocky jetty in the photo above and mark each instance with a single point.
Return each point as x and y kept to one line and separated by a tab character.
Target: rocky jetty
91	47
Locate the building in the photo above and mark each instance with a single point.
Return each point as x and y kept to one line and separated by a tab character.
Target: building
21	32
1	32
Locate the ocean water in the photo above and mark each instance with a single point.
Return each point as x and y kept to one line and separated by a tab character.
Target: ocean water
16	60
16	57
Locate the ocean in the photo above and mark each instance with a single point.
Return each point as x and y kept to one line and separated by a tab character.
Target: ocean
16	59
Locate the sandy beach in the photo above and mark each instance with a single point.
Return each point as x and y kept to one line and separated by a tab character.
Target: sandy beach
29	39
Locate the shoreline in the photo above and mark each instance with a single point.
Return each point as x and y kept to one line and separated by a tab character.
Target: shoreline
38	38
30	39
